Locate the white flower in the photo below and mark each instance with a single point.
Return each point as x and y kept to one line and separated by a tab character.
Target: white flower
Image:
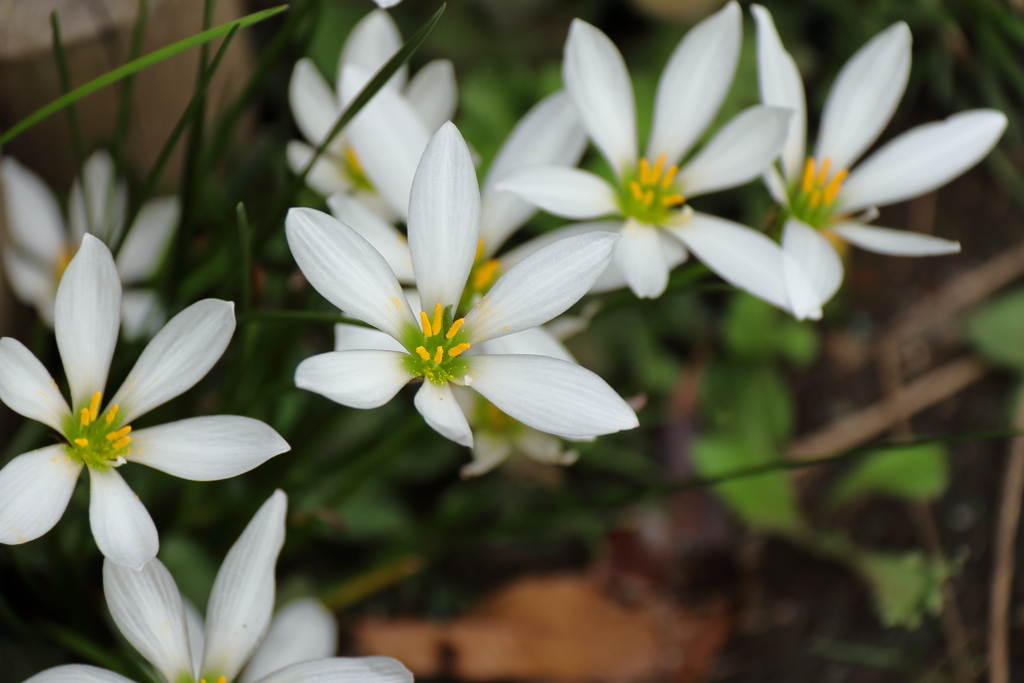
41	245
649	199
35	487
823	195
550	133
376	155
444	226
148	609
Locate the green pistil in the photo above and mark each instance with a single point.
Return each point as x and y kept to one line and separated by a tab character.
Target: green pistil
353	170
648	194
94	439
435	350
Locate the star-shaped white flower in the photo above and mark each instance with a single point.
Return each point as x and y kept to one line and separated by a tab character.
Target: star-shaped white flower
648	199
376	155
444	226
35	487
148	609
830	200
41	245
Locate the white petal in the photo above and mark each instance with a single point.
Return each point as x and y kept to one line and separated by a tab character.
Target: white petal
32	283
864	97
88	316
639	259
104	196
177	358
894	242
781	85
77	673
373	41
489	451
148	610
444	218
147	239
242	598
364	378
536	341
433	93
563	191
818	259
142	314
545	448
27	387
196	635
804	300
439	408
207	448
741	256
34	492
596	78
314	106
389	138
384	236
325	177
741	151
514	256
922	159
343	670
122	527
776	185
551	395
694	83
356	337
34	222
541	286
347	270
550	133
301	631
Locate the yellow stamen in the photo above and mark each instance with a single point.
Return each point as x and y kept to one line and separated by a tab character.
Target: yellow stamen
479	249
659	166
835	185
425	321
94	406
424	354
823	174
649	197
638	193
457	349
644	171
82	442
670	175
438	317
439	356
453	330
353	161
122	432
673	200
85	417
118	445
111	412
815	200
484	274
807	182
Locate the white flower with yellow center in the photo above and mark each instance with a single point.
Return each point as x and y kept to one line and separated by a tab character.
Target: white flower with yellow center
238	641
444	230
648	197
830	201
35	487
41	245
376	155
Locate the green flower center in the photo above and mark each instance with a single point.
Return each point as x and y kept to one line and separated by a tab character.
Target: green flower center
649	196
812	199
94	439
434	351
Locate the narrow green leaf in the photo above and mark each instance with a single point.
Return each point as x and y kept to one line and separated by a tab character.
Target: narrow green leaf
133	67
65	85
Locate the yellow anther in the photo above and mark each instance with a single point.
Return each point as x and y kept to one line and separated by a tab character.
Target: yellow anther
659	166
425	321
439	356
122	432
118	445
484	274
649	197
823	174
834	185
85	417
638	192
438	317
424	354
457	349
670	175
453	330
82	442
94	406
673	200
644	172
807	182
111	412
815	200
